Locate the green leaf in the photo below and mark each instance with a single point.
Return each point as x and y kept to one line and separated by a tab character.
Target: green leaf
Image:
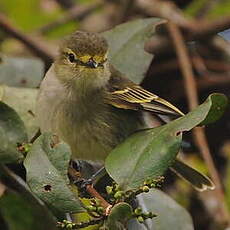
170	215
12	131
21	215
23	101
149	153
119	216
217	9
20	208
218	103
126	47
46	165
21	72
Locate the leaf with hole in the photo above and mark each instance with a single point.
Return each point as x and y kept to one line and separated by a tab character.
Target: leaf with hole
46	166
149	153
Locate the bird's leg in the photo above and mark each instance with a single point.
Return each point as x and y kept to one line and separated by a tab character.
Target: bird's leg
76	175
98	175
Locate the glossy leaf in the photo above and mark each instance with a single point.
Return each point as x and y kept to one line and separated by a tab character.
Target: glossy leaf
126	47
170	215
12	131
149	153
46	165
119	216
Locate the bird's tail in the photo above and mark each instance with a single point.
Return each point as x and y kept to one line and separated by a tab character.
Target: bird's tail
199	181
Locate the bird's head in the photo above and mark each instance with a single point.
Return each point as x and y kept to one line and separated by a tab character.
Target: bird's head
82	57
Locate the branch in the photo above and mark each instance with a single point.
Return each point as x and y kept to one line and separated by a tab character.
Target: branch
206	29
192	97
211	64
201	32
75	13
89	188
167	10
65	4
92	191
38	48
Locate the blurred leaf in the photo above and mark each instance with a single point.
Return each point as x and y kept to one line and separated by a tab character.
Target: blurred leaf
203	7
21	72
170	215
20	208
126	47
149	153
29	15
20	214
23	101
119	216
18	185
46	165
12	131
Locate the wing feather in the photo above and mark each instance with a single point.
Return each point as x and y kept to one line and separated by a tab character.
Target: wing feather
125	94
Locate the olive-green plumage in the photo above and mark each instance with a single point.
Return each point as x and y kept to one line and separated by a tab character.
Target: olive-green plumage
91	105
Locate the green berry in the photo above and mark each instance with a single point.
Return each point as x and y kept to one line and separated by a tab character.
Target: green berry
109	190
153	185
138	211
69	226
118	195
140	219
97	202
145	188
100	210
117	187
148	181
91	208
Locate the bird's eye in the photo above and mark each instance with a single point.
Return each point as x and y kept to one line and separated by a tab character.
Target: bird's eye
71	57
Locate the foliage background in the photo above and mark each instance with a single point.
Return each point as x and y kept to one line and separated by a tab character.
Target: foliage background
45	22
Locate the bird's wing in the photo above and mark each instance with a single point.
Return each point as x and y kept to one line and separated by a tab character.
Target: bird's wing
123	93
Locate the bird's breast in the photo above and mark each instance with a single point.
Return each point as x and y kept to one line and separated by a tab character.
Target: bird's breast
95	128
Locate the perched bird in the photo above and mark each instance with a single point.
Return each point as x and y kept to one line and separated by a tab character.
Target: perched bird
93	107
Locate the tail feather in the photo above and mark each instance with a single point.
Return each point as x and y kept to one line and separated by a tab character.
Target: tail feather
199	181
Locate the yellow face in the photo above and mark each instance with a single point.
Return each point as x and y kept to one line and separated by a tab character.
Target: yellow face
85	60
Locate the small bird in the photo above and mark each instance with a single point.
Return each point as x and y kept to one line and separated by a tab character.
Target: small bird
93	107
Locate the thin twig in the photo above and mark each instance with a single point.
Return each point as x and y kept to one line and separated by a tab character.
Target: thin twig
36	135
184	62
92	191
38	48
199	63
192	96
89	188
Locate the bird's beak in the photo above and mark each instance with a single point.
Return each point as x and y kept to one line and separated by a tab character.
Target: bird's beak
92	64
